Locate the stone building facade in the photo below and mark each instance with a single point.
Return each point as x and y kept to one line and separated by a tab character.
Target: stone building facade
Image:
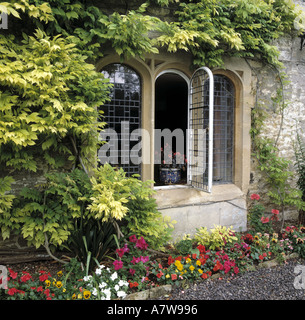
227	203
250	81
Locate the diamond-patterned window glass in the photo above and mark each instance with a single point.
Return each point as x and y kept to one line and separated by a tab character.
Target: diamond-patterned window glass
123	114
223	145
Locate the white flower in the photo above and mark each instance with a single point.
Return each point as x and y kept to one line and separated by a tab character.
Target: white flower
94	291
123	283
107	293
114	276
116	287
98	271
102	285
121	294
87	278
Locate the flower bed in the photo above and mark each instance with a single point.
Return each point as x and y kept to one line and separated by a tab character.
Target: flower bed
134	267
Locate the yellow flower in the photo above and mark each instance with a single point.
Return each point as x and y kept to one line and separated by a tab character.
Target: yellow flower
274	240
200	271
256	237
167	276
177	263
59	274
188	260
198	263
87	294
64	290
79	296
58	284
48	283
192	268
73	296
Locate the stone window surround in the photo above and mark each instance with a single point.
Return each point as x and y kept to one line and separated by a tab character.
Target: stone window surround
239	73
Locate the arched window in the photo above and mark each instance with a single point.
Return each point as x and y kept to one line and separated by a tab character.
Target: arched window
223	144
123	115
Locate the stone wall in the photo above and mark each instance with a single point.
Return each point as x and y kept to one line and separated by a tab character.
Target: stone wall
293	120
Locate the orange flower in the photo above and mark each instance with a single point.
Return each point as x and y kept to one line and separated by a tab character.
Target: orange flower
174	276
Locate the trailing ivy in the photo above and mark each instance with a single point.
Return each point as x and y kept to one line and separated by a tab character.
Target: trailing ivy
277	170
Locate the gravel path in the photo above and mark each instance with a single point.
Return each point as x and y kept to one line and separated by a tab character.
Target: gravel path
276	283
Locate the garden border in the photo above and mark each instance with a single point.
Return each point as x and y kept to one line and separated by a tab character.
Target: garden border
157	292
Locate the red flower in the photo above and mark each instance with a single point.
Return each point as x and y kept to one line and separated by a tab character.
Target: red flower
255	196
248	238
174	276
236	270
274	211
43	277
264	219
194	256
47	292
201	248
261	257
12	291
170	260
39	289
217	266
204	276
13	274
160	274
25	277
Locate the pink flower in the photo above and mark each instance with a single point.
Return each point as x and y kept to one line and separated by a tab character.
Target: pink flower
125	248
144	259
120	252
274	211
118	264
135	260
132	271
141	244
255	196
264	219
133	238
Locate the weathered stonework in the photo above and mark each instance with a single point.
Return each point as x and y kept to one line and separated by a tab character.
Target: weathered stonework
284	129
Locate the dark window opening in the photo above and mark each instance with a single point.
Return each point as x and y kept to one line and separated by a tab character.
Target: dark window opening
171	101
